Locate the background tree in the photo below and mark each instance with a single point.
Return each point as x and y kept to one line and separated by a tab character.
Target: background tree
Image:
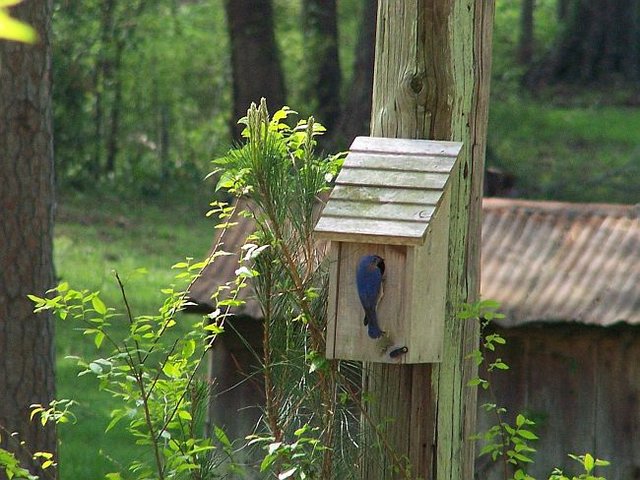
526	40
132	105
320	23
255	61
599	42
26	225
356	108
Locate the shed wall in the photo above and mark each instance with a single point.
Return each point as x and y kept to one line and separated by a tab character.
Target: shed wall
582	387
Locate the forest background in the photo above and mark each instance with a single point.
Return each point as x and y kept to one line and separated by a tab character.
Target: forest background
147	93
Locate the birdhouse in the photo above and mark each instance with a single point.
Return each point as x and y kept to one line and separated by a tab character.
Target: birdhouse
388	222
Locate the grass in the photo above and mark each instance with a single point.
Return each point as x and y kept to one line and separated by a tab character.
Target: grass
93	238
571	153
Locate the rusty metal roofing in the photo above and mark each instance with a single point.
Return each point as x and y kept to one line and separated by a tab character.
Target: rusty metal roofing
562	262
543	261
223	268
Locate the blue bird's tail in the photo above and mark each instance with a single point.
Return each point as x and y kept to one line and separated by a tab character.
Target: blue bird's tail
371	321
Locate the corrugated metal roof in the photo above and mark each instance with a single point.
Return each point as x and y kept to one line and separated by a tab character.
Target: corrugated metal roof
388	190
543	261
559	262
223	268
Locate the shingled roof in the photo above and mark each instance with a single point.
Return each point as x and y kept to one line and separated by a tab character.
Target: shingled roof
388	190
543	261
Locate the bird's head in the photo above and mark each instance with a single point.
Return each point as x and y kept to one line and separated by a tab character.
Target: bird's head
379	262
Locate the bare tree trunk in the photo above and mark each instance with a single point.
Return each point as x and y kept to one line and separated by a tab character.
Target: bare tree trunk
255	63
101	82
563	9
116	109
356	113
319	19
26	225
526	42
431	80
599	44
164	142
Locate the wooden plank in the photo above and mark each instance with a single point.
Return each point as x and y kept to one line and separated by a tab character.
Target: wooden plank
386	194
404	146
332	302
407	163
351	338
415	50
370	231
400	212
386	178
428	290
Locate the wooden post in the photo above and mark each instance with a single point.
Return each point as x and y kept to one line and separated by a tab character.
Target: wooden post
431	81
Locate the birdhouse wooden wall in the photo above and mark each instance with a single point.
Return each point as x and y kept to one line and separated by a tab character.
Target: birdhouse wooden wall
391	199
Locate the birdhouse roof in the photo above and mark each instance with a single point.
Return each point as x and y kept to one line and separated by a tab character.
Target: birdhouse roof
388	190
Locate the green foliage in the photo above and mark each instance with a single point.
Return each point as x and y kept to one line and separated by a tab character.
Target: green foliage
511	444
153	378
10	465
96	234
587	462
128	84
279	176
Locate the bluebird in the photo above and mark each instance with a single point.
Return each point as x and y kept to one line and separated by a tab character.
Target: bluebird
369	282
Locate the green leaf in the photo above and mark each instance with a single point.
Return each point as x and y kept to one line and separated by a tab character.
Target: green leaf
527	434
589	462
98	305
184	415
267	461
171	370
222	436
95	368
12	29
188	348
99	338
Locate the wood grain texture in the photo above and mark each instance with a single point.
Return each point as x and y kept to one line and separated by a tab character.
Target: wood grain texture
398	212
351	340
388	190
406	147
431	81
580	384
411	311
409	163
349	229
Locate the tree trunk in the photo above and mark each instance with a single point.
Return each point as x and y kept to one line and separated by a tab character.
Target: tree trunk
431	81
526	42
563	9
255	63
356	113
319	19
26	224
116	108
600	43
102	81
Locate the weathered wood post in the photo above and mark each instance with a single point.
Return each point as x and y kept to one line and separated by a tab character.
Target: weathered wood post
431	81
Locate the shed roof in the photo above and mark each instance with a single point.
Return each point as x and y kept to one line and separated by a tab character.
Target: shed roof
543	261
562	262
387	190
